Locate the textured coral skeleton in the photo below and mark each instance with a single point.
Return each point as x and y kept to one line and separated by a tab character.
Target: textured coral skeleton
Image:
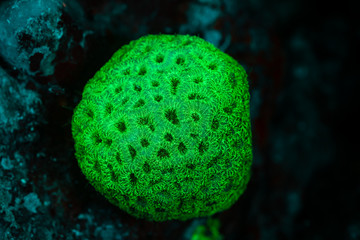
163	129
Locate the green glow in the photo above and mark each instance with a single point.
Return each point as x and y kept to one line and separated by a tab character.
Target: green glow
208	231
163	129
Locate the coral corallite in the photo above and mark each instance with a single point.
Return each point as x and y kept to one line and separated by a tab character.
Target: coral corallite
163	129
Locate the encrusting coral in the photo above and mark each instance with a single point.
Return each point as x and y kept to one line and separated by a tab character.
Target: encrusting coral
163	129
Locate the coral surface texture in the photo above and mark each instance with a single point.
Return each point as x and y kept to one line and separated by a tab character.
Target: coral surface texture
163	129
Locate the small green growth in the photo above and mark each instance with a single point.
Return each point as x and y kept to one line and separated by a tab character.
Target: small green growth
208	231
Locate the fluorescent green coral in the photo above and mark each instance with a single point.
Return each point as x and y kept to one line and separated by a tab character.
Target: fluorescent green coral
208	231
163	129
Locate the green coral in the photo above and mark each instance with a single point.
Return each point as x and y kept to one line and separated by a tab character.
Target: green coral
208	231
163	129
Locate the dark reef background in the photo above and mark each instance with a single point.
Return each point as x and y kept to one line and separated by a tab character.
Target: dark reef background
301	57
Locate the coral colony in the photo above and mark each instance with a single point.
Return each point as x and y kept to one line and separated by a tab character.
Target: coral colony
163	129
